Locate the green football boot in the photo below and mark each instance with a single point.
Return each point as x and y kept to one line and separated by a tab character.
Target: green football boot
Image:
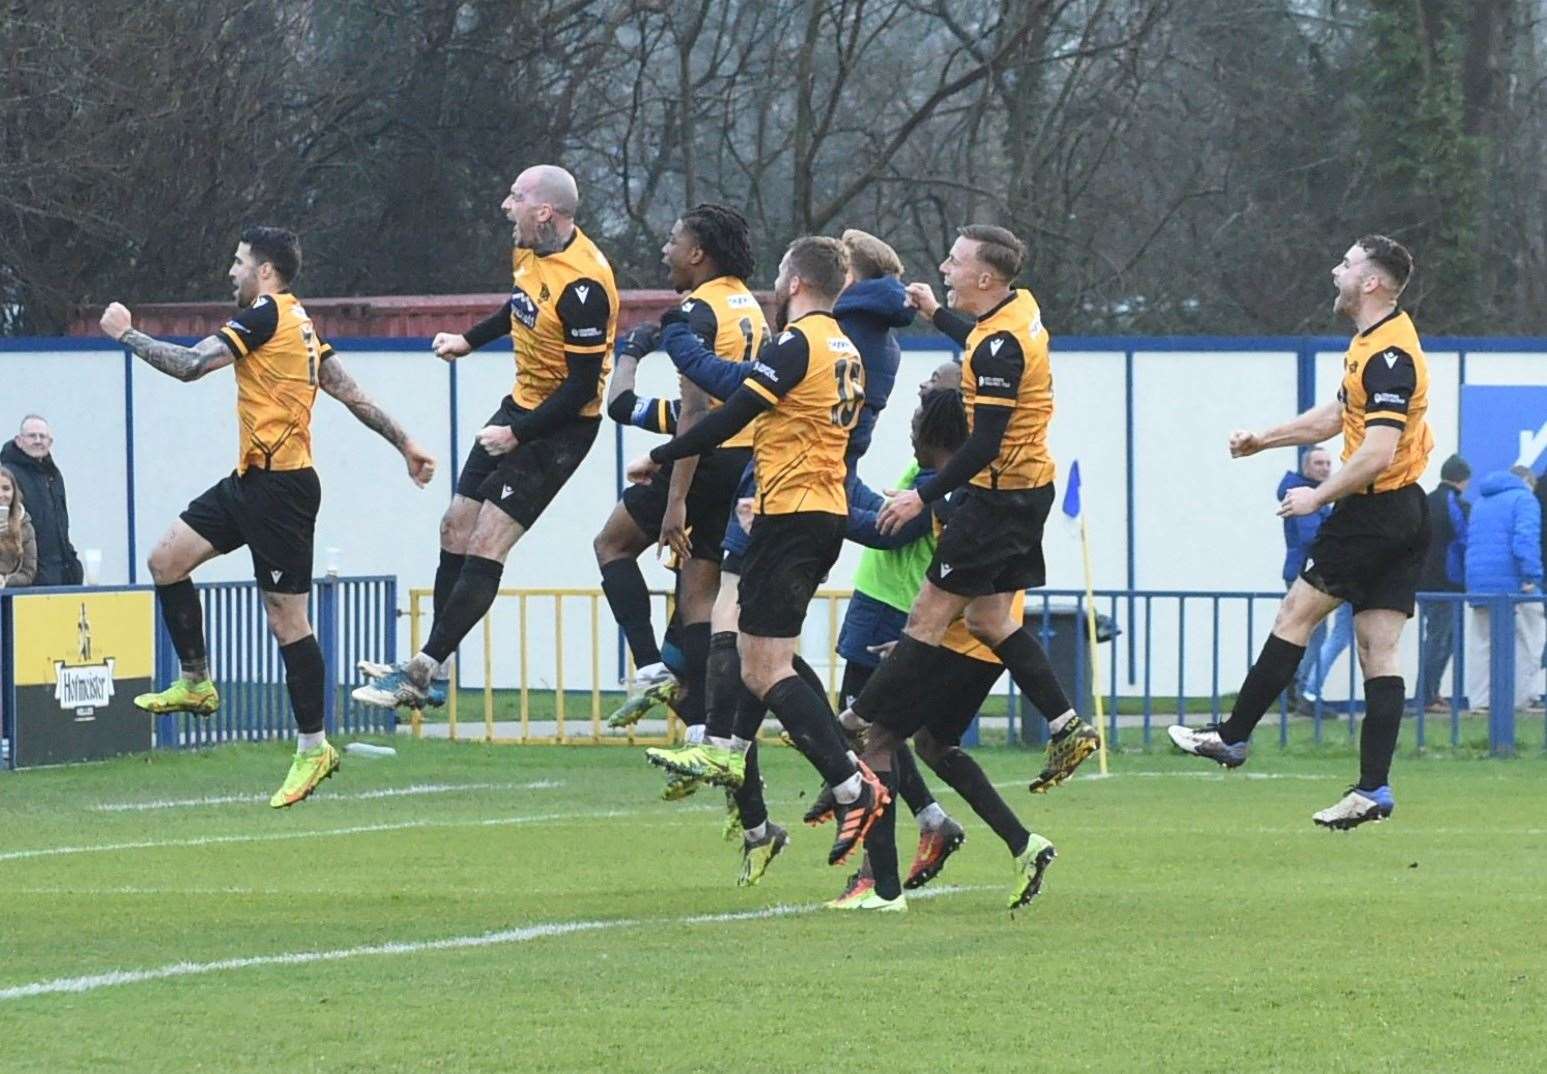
756	854
1030	869
307	772
679	787
199	698
719	765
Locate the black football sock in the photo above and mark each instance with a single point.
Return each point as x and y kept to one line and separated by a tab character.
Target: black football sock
750	712
1028	666
809	719
304	674
470	600
855	676
967	778
722	685
808	674
1269	676
694	642
184	617
897	680
1378	736
749	796
623	583
910	783
881	844
446	576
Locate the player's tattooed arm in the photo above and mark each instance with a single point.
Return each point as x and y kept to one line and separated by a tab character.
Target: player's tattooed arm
175	360
334	379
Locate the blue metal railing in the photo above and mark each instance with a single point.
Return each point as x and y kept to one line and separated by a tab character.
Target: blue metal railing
353	618
1050	613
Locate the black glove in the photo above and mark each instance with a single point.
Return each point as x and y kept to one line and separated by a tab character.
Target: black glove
639	341
674	316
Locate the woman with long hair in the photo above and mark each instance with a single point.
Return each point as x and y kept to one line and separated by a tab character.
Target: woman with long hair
18	542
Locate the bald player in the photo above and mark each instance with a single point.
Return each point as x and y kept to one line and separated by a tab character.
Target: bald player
561	317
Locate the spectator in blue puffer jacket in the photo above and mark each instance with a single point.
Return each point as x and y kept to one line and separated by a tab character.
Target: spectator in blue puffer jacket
1504	555
869	311
1322	650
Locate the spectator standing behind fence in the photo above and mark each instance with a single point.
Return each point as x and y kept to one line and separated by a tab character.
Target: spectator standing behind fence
1444	571
18	542
1541	500
1322	650
1504	555
30	459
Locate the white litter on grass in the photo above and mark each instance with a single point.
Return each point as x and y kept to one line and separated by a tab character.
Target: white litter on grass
323	796
526	934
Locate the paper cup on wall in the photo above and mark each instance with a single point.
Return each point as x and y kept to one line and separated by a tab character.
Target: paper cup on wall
91	565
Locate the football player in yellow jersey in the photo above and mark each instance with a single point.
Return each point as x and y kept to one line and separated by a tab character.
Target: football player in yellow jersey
1370	551
270	503
805	391
708	258
561	317
992	546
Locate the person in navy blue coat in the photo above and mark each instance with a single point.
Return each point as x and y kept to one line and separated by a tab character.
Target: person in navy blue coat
869	311
1504	555
1325	644
1444	571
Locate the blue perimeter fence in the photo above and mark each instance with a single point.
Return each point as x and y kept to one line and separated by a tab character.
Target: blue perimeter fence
354	618
1042	614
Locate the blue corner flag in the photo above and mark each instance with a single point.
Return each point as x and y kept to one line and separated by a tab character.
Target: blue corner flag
1072	491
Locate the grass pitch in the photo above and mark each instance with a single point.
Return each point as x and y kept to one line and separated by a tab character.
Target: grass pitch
467	908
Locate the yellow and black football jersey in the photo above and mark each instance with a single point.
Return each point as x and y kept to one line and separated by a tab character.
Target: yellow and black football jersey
813	376
277	356
1007	365
1386	382
560	304
726	317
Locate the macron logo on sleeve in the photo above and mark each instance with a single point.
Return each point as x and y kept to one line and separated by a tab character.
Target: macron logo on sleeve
582	293
993	347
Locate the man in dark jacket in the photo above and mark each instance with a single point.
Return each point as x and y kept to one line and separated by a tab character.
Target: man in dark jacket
1299	533
1444	571
30	458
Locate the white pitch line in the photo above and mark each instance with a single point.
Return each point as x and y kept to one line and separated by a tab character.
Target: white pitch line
387	792
360	829
93	982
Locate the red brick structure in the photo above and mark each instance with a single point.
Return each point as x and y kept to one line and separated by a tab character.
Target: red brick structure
367	316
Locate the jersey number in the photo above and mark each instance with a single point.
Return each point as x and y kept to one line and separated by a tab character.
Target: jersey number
850	375
749	337
309	338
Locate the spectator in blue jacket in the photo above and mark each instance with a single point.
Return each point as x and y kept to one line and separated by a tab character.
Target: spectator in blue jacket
1504	555
1322	650
869	311
1444	571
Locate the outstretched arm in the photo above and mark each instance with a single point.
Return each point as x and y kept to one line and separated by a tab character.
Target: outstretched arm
173	359
1315	425
334	379
699	363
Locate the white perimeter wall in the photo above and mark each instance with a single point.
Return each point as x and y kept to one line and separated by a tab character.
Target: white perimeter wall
1201	521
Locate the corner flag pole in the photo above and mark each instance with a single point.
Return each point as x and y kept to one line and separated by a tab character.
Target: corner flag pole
1095	652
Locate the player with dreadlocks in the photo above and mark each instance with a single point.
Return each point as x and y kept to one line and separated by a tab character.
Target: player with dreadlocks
687	505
